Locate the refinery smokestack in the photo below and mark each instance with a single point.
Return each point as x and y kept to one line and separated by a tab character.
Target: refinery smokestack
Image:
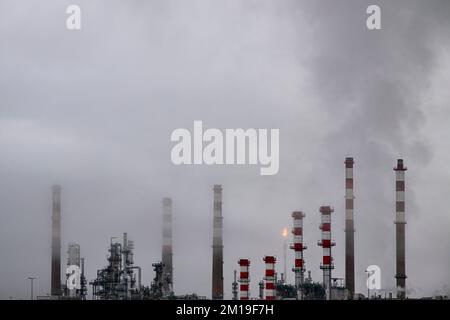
326	243
73	255
73	259
167	246
349	230
400	228
217	260
244	278
270	277
56	242
299	264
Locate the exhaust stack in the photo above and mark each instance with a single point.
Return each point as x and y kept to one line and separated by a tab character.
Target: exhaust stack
400	228
349	230
217	259
270	277
326	243
298	247
73	259
167	247
244	278
56	242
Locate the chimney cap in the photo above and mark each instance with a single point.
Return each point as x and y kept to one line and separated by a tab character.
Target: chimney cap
349	162
244	262
400	166
298	215
270	259
326	209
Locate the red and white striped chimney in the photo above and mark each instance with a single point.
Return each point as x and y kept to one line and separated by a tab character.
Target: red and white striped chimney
244	278
326	243
400	222
270	277
349	230
299	266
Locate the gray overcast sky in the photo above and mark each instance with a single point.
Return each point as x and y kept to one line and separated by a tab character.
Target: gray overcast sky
93	110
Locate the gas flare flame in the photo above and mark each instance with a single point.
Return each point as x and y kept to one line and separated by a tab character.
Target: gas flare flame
285	232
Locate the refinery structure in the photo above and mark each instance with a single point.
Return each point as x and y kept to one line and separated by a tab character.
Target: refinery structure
121	279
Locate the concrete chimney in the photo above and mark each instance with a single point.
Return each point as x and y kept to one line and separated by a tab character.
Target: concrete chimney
349	230
217	259
167	246
56	242
400	228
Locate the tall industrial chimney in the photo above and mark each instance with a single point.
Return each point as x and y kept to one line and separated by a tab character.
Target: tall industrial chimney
299	266
217	261
400	228
56	242
349	230
326	243
167	246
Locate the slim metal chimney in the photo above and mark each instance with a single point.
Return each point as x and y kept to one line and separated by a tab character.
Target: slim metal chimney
167	246
400	228
298	247
270	277
349	230
83	281
56	242
244	278
326	243
217	260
